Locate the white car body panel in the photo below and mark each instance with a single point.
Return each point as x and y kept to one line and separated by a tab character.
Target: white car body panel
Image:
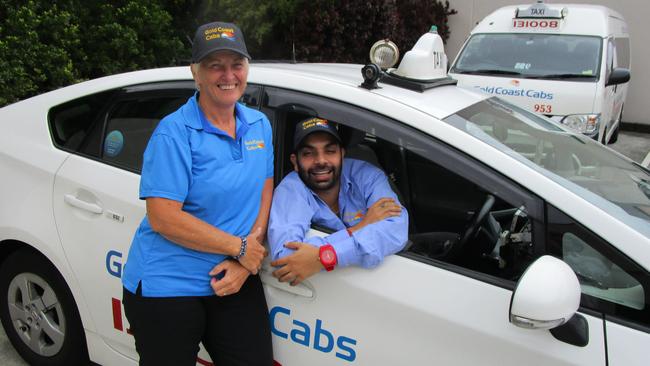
443	320
476	330
625	346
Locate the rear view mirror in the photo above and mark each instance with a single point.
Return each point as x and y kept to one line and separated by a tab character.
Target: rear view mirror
546	296
618	76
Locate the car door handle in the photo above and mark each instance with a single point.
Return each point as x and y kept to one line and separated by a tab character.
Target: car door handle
78	203
268	279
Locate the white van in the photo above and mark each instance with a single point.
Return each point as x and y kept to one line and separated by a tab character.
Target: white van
566	61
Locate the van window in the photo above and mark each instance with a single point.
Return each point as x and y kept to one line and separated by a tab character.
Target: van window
538	56
622	52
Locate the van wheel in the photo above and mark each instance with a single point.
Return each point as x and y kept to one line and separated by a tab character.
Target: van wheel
603	140
614	137
39	314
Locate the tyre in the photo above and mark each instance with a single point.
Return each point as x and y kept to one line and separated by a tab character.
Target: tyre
38	313
614	137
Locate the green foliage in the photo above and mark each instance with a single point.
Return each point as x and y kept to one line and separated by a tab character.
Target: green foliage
136	35
38	45
328	30
344	31
44	46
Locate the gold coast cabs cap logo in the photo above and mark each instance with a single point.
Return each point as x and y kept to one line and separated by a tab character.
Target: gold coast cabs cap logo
220	32
313	122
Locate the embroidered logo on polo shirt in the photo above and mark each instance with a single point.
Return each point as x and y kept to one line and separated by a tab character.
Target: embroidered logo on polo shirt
352	216
254	144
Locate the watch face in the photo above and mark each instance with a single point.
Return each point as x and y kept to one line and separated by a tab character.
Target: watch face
328	256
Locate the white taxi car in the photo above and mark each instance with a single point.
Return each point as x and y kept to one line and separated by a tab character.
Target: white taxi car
529	245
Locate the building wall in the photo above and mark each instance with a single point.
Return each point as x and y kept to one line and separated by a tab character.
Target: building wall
635	12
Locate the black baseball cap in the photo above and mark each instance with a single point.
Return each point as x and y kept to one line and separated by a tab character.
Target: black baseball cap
217	36
311	125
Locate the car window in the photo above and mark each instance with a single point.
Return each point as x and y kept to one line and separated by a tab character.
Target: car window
70	122
614	183
611	51
611	283
442	189
115	126
532	55
622	52
130	124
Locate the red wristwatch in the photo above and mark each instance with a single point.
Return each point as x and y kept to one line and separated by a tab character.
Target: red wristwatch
327	256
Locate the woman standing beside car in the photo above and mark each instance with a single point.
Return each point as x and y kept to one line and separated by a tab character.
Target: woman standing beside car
191	275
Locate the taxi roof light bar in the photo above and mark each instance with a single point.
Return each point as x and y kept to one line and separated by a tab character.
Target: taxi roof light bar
423	67
540	10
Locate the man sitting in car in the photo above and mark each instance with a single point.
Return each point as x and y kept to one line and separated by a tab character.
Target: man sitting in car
349	196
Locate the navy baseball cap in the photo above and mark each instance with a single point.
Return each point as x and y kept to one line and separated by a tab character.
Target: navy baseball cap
218	36
311	125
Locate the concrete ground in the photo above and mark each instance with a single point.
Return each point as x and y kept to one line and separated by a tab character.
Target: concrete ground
632	144
8	355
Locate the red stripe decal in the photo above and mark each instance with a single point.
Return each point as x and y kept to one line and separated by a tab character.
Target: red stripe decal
117	315
203	362
276	363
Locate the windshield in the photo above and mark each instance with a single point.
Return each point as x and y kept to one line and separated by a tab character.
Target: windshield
575	161
542	56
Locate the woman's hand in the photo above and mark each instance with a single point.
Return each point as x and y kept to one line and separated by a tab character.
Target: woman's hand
234	277
255	252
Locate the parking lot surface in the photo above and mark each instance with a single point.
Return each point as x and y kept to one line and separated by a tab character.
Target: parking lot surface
634	145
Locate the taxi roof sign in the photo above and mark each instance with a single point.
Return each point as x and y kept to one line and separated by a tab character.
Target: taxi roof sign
541	10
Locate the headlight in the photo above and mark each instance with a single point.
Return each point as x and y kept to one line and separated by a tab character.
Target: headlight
384	54
582	123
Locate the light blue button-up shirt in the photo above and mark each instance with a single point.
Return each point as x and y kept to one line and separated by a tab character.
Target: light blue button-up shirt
296	207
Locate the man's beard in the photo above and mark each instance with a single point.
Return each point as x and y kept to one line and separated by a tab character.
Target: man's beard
307	176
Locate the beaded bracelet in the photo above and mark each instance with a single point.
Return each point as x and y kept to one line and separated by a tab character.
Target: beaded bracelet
242	249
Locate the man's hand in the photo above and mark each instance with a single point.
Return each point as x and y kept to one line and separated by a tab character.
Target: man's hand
255	252
234	277
298	266
383	208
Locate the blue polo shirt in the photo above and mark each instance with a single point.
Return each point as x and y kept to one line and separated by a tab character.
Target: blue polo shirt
217	178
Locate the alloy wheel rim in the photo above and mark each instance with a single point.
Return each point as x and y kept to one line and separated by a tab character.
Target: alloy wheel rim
36	314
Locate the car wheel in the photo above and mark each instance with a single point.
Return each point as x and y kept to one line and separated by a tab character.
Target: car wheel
614	137
39	314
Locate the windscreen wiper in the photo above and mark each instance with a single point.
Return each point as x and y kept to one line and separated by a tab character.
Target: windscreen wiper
561	76
489	71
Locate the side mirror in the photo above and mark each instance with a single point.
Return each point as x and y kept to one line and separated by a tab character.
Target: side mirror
546	296
618	76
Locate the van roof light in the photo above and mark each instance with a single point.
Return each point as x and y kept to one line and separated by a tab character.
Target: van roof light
540	10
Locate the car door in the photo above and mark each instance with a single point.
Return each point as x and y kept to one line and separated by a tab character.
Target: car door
96	203
414	308
613	286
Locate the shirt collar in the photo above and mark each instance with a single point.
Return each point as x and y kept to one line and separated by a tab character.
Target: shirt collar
195	118
346	183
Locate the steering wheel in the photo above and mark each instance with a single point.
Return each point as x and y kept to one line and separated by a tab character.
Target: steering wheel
472	227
